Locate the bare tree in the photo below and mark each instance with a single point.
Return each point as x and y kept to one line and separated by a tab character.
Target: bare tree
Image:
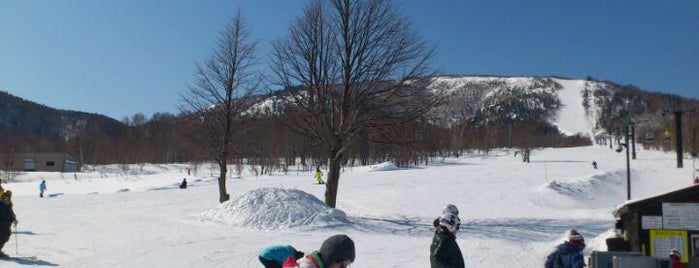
348	63
223	90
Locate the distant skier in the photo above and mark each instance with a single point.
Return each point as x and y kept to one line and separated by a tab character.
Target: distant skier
319	176
42	188
276	256
444	251
568	254
594	164
7	219
183	185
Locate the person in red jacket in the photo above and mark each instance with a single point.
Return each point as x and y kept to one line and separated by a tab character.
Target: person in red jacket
675	257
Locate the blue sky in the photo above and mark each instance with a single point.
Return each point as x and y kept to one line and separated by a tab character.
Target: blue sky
119	58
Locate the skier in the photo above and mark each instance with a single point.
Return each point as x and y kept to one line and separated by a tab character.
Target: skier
569	253
42	188
336	252
675	257
276	256
319	176
7	218
594	164
444	251
183	185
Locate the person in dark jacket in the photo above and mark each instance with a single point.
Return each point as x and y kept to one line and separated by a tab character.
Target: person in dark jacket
183	185
275	256
444	251
336	252
568	254
7	218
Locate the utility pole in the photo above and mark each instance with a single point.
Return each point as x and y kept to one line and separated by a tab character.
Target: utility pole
678	137
628	166
633	140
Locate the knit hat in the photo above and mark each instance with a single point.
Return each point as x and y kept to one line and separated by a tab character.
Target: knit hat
676	253
450	208
450	221
337	248
576	237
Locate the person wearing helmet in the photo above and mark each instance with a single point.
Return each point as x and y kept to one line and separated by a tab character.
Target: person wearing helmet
336	252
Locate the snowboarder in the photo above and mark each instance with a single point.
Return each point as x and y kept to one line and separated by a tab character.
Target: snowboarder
7	218
42	188
675	257
276	256
183	185
336	252
594	164
569	253
319	176
444	251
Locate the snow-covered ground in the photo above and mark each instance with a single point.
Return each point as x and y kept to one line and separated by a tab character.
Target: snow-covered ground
512	213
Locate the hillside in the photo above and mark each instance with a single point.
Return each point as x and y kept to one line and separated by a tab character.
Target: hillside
478	112
23	121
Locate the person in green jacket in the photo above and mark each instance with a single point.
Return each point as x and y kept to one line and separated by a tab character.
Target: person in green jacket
319	176
444	251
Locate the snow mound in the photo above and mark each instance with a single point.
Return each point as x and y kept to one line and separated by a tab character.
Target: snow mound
276	208
587	188
385	166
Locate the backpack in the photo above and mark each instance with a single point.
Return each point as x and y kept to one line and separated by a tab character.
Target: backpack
553	260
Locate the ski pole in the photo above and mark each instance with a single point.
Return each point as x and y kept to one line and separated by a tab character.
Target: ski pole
16	243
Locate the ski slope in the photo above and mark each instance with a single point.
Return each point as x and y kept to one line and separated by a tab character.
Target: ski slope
513	213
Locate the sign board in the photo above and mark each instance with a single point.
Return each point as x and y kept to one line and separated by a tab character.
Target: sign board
651	222
694	239
681	216
662	241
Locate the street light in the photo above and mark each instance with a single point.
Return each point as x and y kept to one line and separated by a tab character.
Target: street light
628	164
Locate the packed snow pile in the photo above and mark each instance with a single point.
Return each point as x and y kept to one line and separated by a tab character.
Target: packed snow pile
385	166
276	208
587	188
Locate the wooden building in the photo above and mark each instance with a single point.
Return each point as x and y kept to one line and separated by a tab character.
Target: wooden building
655	225
52	162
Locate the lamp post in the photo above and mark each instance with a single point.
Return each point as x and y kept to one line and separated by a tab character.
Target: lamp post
628	163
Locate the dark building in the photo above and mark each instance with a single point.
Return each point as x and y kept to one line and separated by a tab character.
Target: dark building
54	162
655	225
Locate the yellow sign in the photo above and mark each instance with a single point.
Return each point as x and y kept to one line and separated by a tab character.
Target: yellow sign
662	241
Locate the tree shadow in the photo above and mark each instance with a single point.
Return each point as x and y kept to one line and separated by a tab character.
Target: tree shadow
506	229
30	261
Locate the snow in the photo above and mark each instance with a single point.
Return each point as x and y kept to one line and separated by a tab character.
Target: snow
513	213
572	119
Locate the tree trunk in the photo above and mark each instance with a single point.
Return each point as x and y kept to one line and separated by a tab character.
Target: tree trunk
333	181
223	196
